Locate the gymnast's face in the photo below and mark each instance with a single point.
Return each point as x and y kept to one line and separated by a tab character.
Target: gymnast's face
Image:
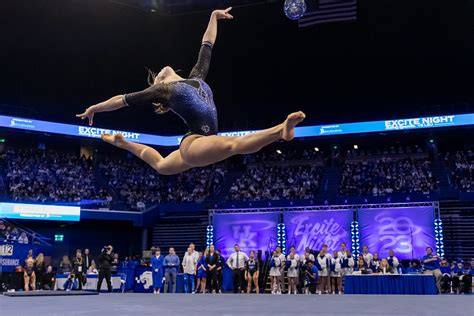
166	75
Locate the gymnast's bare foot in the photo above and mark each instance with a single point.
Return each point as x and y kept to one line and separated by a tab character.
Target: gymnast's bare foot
288	132
116	140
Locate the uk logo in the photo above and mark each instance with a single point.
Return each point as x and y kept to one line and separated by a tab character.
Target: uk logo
244	236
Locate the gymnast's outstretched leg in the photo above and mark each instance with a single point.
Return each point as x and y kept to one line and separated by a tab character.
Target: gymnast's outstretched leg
199	151
171	164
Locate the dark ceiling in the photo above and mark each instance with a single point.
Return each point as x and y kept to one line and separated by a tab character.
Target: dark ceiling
399	59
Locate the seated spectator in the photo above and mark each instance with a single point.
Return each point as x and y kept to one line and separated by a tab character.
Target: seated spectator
393	261
386	176
49	279
65	265
462	169
414	268
23	238
92	268
42	176
362	268
462	278
384	268
446	279
276	183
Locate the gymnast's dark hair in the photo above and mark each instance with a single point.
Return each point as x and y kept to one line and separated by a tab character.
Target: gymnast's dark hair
160	108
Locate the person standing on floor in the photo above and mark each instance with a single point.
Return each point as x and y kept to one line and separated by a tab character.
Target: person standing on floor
157	265
236	262
189	269
171	264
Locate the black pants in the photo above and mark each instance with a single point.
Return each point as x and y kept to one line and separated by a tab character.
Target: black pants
463	285
108	276
80	279
212	282
237	276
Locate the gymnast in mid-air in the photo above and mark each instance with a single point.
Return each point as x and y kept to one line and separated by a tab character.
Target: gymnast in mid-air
192	100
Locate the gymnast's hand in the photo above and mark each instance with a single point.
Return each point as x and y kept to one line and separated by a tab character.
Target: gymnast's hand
223	14
89	114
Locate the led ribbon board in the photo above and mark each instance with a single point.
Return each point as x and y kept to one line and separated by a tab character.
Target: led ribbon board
40	212
304	131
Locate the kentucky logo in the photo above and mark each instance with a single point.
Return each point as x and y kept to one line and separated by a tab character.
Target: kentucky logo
205	128
244	237
146	279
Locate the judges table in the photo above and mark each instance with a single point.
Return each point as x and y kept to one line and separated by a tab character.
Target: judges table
91	284
419	284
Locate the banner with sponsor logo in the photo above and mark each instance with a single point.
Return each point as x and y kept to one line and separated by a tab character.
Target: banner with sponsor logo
252	231
300	131
405	230
14	254
313	229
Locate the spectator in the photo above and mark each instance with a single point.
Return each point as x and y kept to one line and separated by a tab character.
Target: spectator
414	267
431	266
386	176
23	239
87	258
384	268
171	265
276	183
92	268
65	265
79	269
189	269
49	279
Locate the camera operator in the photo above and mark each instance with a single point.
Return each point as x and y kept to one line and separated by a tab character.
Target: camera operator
310	277
106	263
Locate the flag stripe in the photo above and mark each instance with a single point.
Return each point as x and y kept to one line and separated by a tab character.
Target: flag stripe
328	21
328	11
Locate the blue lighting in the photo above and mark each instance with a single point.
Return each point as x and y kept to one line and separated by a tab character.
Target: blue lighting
303	131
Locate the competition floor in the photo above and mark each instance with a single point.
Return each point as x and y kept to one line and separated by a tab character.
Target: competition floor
230	304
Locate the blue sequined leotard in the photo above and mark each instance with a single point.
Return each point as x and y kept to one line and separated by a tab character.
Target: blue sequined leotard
191	99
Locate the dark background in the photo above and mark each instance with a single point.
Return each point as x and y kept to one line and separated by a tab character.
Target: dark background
399	59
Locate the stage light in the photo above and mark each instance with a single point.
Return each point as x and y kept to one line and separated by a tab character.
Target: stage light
2	140
356	147
294	9
316	149
334	147
278	151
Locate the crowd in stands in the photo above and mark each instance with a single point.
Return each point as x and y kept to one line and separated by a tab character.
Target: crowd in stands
462	169
267	156
12	234
140	186
386	176
45	176
276	183
387	151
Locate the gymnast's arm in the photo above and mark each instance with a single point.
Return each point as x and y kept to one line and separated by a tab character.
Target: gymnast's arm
157	93
201	68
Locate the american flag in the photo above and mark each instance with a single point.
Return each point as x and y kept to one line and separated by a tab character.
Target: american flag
325	11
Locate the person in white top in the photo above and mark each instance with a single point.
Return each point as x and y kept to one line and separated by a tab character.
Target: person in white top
342	254
292	274
393	261
237	262
275	272
195	253
307	256
189	268
336	273
348	263
367	256
282	270
322	262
